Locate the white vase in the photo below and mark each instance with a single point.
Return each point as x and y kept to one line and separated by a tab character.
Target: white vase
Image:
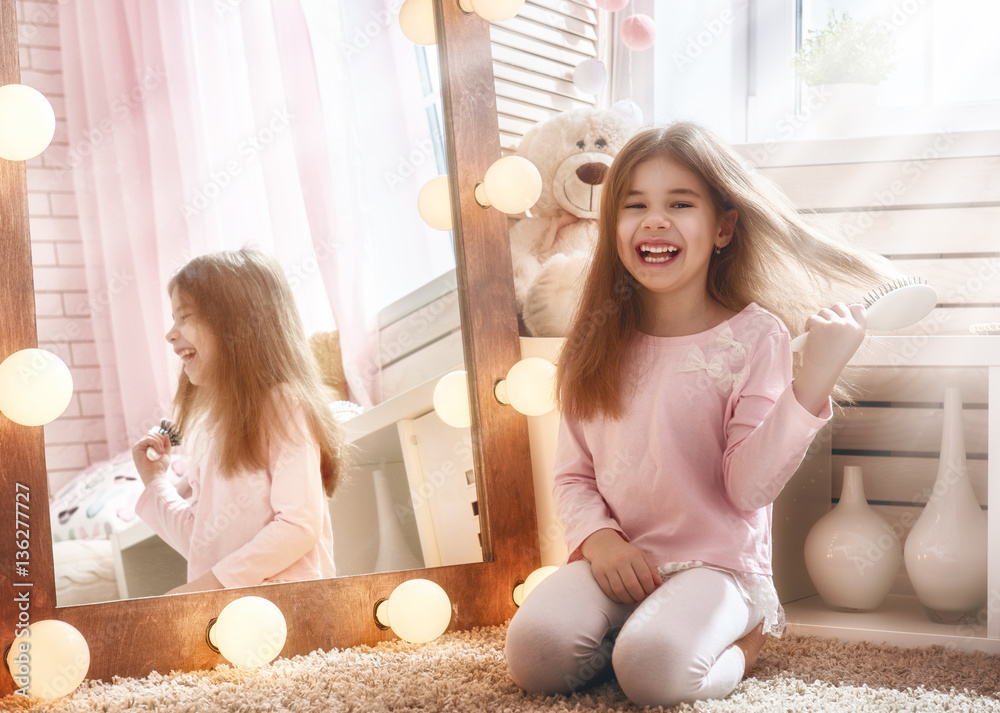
945	552
852	555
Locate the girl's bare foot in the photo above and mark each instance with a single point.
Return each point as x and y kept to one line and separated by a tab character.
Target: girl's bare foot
750	645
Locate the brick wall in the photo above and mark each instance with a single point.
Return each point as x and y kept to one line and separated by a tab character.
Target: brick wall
76	439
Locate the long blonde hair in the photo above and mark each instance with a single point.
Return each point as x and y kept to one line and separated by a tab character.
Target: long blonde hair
244	299
775	259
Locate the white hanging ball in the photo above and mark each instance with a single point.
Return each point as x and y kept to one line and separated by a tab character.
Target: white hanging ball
27	122
512	184
497	10
451	399
590	76
416	20
629	109
49	660
35	387
434	203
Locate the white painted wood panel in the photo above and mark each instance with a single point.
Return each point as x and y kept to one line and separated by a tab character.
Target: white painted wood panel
903	430
892	184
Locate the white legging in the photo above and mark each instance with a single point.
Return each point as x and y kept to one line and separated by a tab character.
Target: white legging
674	646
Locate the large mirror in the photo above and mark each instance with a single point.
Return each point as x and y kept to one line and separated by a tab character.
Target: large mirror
232	126
164	633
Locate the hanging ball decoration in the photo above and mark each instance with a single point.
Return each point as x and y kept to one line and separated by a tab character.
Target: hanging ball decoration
639	32
416	20
590	76
497	10
35	387
612	5
629	109
434	203
27	122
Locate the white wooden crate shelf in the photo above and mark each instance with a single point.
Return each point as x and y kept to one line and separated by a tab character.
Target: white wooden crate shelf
901	620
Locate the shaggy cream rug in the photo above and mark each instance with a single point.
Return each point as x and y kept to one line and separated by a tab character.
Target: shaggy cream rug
465	671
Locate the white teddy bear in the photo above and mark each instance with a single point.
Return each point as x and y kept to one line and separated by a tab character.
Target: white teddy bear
552	248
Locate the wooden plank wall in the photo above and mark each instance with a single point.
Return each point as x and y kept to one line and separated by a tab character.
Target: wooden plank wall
534	55
936	215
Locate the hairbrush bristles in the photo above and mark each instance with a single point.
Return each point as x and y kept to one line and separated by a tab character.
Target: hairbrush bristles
887	287
167	429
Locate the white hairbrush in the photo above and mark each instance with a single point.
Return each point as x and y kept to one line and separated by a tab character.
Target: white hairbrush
891	306
167	428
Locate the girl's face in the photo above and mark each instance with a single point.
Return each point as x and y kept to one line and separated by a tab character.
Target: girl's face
668	229
191	339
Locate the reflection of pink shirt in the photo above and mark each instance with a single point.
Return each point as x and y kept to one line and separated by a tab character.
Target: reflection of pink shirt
711	434
253	527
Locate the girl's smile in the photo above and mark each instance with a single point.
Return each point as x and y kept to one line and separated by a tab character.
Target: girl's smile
669	226
191	339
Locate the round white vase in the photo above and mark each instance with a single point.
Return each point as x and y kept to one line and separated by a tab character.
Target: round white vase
852	555
945	552
839	110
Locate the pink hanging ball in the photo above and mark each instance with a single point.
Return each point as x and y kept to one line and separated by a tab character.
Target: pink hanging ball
612	5
639	32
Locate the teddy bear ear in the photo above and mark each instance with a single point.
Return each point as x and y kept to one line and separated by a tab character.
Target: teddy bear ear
525	145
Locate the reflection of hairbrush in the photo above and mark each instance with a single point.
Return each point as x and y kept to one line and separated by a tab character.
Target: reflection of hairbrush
893	305
166	428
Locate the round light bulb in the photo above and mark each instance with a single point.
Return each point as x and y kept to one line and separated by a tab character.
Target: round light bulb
416	20
250	632
512	185
27	122
638	32
497	10
434	203
531	386
590	76
525	588
35	387
451	399
417	611
49	660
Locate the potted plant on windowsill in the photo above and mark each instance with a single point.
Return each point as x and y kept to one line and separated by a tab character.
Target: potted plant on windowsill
843	63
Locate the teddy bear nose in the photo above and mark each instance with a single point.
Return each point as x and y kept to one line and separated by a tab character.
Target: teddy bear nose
592	173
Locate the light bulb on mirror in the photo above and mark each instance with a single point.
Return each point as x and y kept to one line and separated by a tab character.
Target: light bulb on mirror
35	387
416	20
451	399
417	611
523	589
512	185
48	659
434	203
495	10
530	387
27	122
250	632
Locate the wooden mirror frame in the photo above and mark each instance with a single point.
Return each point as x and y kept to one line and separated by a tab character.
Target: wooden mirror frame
134	637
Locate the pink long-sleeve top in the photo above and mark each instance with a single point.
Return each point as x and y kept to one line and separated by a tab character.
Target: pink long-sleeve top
255	526
711	434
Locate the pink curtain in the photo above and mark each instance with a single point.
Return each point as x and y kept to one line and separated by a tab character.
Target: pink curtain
198	126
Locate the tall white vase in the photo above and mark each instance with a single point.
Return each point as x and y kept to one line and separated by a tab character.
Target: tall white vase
852	555
945	552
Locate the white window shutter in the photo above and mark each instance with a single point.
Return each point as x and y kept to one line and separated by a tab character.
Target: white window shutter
534	55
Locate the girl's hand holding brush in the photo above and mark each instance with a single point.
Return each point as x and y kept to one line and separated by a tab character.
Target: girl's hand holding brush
148	452
834	335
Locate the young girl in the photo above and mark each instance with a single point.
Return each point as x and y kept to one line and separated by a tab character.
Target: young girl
681	423
265	450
